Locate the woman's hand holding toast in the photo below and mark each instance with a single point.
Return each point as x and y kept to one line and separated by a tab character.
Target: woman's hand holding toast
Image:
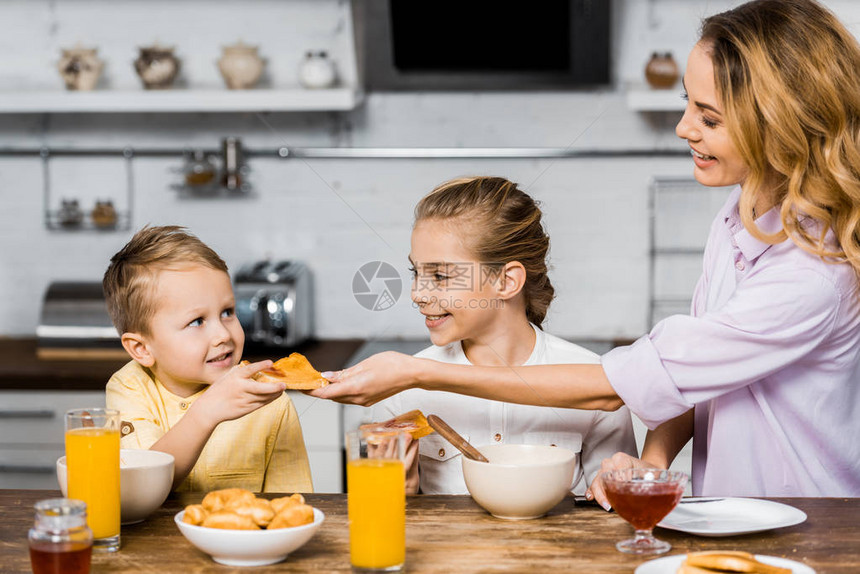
370	381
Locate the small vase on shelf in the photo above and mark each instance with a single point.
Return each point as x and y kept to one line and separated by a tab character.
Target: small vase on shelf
157	67
661	72
241	66
80	68
317	71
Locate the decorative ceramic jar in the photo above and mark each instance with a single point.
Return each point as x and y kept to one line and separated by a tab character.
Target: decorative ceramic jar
241	66
317	71
157	66
661	72
80	68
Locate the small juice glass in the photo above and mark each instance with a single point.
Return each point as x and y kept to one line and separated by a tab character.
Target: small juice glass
92	460
376	499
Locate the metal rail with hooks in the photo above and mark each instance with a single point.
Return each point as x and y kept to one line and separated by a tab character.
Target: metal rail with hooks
284	152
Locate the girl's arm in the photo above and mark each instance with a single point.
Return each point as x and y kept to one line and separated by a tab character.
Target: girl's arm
582	386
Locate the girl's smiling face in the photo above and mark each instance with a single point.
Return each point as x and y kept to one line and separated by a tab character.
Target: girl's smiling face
717	160
455	292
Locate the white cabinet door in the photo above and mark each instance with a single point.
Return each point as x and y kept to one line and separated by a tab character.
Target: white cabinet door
32	434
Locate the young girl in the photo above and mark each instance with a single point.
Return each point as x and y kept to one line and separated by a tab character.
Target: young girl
480	280
765	369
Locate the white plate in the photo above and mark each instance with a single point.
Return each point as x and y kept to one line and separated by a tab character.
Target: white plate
730	516
670	564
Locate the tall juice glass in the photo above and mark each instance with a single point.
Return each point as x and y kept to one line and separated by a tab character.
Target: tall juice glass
376	498
92	461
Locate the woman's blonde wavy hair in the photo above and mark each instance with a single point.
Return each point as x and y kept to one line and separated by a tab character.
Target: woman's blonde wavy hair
501	224
788	75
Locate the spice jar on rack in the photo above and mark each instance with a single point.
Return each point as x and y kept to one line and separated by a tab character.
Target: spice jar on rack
199	170
60	540
104	214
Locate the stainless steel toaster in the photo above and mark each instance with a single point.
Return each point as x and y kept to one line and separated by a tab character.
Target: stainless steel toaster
274	302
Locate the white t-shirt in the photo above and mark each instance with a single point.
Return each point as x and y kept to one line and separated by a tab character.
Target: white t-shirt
594	434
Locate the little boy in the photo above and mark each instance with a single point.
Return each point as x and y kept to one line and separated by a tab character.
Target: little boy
184	393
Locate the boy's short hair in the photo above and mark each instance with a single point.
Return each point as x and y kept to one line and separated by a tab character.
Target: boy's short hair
129	282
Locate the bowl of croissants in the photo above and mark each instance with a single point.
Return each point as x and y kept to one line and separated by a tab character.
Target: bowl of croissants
237	528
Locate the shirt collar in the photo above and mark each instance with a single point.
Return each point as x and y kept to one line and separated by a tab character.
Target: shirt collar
750	247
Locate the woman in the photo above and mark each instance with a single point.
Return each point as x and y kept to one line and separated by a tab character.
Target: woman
764	370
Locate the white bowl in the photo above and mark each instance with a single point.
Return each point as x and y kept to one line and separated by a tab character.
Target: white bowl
249	547
521	481
145	479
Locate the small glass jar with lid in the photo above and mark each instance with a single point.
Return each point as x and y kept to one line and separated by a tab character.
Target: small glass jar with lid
60	540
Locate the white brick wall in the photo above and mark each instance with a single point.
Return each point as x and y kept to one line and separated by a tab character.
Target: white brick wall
595	209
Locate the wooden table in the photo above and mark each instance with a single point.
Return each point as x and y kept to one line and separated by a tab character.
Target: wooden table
453	534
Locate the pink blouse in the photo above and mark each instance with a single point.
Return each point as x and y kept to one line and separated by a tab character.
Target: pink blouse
769	360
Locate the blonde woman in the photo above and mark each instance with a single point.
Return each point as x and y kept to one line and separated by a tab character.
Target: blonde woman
764	371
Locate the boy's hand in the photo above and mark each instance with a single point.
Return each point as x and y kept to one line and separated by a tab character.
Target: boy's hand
236	394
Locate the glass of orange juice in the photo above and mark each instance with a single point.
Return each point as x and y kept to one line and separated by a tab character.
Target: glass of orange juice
376	498
92	462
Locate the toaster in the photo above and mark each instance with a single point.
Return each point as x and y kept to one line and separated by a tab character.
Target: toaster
274	302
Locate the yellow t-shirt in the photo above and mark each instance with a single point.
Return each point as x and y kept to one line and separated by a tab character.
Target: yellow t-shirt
263	451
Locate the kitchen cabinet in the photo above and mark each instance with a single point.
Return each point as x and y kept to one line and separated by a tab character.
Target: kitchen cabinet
32	428
177	100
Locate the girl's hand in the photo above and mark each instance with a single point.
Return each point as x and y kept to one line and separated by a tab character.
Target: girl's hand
370	381
617	461
410	462
236	394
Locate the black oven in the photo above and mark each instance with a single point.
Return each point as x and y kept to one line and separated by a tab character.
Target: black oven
483	44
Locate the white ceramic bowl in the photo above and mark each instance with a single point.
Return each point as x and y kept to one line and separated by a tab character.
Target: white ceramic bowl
521	481
249	547
145	478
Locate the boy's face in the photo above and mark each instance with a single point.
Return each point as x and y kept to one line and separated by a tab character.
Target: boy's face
195	336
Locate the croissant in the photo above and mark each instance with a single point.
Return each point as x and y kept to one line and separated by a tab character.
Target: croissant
293	516
239	509
229	520
278	504
218	499
259	510
195	514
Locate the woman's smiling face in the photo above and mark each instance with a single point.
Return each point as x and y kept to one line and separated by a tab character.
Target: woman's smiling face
717	160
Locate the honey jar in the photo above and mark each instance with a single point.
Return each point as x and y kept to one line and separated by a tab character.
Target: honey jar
60	540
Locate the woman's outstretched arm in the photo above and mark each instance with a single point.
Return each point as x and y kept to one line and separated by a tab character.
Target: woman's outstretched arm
380	376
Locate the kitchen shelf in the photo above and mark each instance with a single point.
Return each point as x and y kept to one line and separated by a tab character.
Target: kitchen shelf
645	99
177	100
